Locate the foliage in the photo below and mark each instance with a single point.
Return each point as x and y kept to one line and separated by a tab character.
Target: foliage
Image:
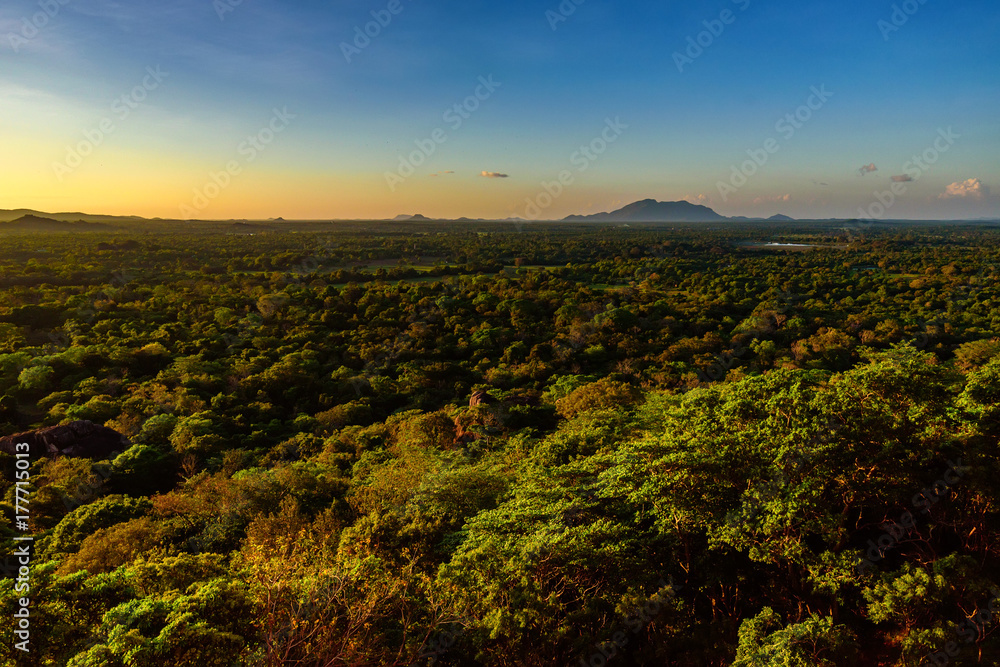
688	449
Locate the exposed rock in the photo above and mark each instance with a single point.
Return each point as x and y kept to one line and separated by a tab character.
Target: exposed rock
481	398
80	439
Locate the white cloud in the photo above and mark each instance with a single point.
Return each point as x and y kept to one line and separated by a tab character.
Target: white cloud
972	188
493	174
772	200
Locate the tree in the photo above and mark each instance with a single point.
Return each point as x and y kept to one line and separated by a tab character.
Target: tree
603	394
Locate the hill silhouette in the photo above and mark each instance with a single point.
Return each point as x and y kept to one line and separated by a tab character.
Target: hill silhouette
650	210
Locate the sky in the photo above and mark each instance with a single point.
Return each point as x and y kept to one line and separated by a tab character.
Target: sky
320	110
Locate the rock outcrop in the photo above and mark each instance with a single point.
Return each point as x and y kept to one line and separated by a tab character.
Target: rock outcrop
80	439
481	398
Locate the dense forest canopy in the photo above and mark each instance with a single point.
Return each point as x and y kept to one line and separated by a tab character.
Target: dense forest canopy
687	446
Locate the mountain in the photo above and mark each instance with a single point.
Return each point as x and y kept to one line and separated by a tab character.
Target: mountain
410	218
780	218
11	215
650	210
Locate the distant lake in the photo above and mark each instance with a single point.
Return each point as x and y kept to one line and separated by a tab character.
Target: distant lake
774	245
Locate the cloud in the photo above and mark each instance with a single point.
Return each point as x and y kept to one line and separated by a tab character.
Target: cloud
867	169
972	188
441	173
493	174
825	185
696	199
771	200
902	179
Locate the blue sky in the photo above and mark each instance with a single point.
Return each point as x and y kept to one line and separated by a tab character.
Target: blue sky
354	121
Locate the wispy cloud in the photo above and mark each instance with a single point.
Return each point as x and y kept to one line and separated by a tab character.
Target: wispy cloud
14	90
696	199
902	179
867	169
972	188
18	99
441	173
493	174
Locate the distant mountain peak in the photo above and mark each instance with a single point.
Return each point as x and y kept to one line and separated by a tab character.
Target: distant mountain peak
32	219
409	218
650	210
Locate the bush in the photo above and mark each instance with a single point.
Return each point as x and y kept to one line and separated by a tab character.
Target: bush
107	549
354	413
603	394
436	429
143	470
85	521
156	431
